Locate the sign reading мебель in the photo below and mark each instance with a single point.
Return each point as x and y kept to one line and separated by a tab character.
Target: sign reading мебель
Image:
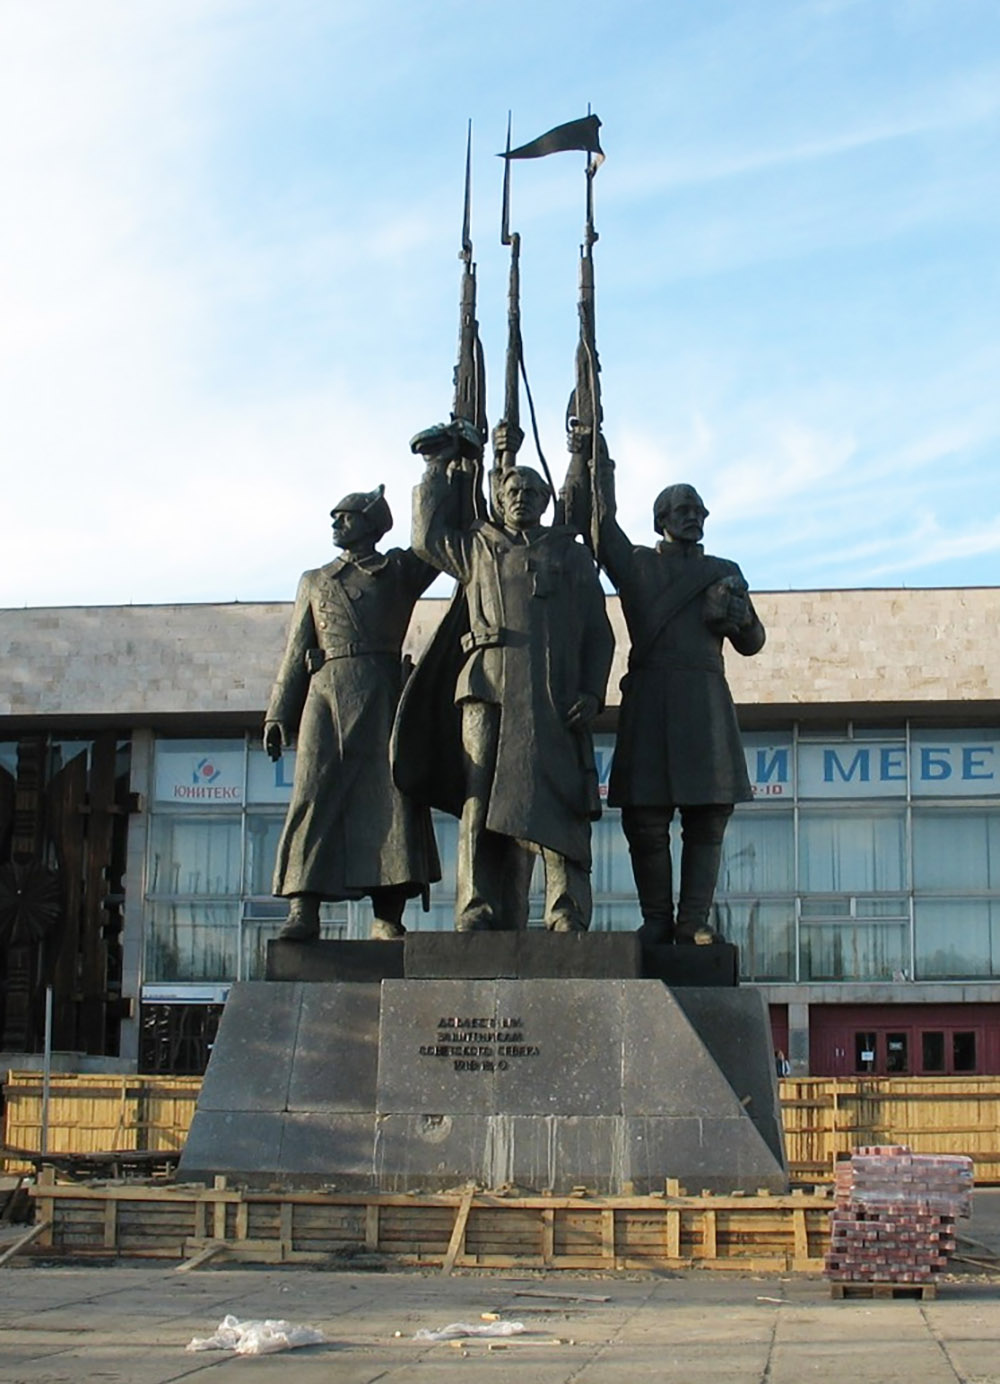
953	764
943	764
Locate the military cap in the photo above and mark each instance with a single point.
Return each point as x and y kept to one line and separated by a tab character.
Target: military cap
371	503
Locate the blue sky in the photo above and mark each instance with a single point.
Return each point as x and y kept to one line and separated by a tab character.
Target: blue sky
229	274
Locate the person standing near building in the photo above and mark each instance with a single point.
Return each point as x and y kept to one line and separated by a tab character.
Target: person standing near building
349	832
678	748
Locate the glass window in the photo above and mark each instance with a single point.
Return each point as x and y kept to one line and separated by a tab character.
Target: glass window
956	938
764	931
932	1052
963	1052
854	950
955	849
195	854
864	1052
758	854
263	835
851	851
897	1053
192	941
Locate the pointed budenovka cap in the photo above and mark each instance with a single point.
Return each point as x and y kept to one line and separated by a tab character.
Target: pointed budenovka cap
370	502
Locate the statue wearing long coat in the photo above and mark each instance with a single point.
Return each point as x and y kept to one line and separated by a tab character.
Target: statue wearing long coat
348	828
536	635
678	740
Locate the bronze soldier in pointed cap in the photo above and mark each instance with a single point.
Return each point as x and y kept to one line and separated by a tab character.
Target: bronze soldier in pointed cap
349	833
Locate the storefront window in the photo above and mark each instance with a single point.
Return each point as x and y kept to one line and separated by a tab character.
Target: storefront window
851	851
956	938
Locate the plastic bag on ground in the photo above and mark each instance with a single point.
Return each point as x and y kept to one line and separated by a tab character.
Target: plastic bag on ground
257	1337
457	1329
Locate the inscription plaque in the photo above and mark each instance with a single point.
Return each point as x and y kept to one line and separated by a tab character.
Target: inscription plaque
479	1044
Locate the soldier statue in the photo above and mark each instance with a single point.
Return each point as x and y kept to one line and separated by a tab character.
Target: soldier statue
349	833
535	650
678	747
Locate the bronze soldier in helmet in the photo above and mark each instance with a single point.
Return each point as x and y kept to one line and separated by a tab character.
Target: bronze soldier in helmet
349	833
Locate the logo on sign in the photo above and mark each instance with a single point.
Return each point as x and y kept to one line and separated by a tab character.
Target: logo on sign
205	772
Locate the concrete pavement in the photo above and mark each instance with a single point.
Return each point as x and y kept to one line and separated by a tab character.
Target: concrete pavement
131	1324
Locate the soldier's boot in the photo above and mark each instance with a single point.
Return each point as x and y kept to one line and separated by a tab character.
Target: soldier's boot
568	897
387	905
302	923
702	830
647	830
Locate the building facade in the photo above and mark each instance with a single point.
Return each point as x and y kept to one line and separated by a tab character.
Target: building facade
862	884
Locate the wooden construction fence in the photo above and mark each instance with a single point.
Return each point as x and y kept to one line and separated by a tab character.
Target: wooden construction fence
824	1117
97	1113
191	1223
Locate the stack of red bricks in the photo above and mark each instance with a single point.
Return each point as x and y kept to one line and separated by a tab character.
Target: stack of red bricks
895	1214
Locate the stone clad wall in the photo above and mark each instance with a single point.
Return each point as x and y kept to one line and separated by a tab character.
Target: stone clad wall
823	647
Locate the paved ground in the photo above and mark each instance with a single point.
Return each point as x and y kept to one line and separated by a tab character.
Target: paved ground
68	1324
132	1324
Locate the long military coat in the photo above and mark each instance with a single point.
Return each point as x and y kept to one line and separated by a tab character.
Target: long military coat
348	828
535	635
678	741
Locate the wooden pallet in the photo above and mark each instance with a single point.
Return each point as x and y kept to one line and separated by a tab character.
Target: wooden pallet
465	1229
922	1291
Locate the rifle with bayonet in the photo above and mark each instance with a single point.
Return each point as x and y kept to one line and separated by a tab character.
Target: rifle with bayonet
584	414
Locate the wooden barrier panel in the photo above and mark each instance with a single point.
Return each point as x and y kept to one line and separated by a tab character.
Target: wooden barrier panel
97	1113
193	1223
824	1117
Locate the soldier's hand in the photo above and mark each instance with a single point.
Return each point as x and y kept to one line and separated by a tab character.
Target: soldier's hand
583	710
275	739
507	437
727	605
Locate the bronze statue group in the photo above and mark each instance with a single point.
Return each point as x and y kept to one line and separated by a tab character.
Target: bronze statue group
494	725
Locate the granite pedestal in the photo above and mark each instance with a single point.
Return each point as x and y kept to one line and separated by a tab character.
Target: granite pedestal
441	1075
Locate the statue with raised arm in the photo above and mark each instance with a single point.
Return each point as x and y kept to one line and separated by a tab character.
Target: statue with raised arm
349	833
678	748
528	678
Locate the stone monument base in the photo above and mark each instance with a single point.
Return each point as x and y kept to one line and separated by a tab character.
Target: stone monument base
614	1083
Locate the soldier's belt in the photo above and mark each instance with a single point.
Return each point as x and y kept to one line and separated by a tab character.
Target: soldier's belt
315	658
482	639
664	663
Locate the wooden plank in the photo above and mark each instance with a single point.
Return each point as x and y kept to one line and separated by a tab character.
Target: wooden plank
608	1234
110	1223
372	1215
207	1252
29	1237
548	1235
673	1233
218	1216
457	1242
709	1223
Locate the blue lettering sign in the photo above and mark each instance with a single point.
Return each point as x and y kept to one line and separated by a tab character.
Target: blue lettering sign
892	764
860	765
774	768
972	760
934	764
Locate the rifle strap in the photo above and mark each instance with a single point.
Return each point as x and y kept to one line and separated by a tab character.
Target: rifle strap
670	602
